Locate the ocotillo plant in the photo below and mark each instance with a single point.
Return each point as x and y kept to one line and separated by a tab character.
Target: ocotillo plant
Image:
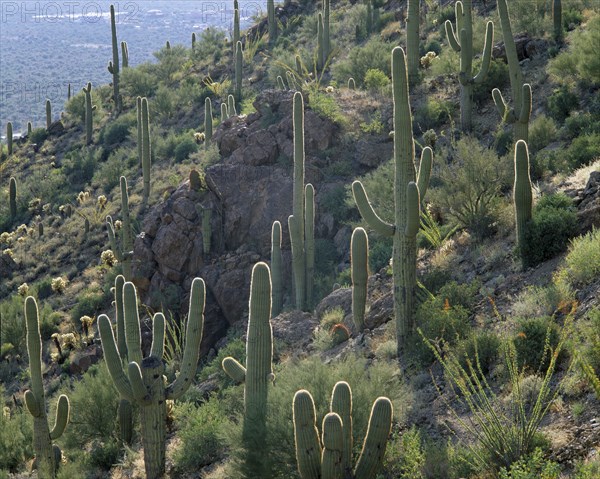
272	21
359	257
12	197
519	115
46	454
276	269
113	66
125	55
123	255
208	120
9	137
138	103
143	382
238	72
145	148
89	112
334	458
406	199
48	114
299	223
412	40
461	40
125	410
522	196
258	371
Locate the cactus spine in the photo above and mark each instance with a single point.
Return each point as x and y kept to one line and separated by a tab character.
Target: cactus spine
406	199
519	115
46	454
522	195
238	72
334	459
208	120
48	114
89	127
138	102
461	40
113	66
143	382
276	269
412	40
301	222
359	247
272	21
125	55
258	371
145	148
12	197
9	137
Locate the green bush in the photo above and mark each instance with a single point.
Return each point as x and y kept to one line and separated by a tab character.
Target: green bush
482	348
138	81
376	80
561	103
583	150
553	223
582	263
210	46
16	438
497	77
38	136
579	124
404	456
380	253
201	433
542	132
76	107
185	148
535	340
533	466
12	326
375	54
432	114
88	304
79	166
117	131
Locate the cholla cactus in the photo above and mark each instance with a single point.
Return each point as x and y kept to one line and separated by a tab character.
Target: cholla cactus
83	196
59	285
86	325
108	258
427	59
101	202
23	289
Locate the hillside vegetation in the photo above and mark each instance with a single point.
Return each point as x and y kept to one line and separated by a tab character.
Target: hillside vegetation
359	240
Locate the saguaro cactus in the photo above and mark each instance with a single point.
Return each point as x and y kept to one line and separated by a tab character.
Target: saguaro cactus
9	137
359	247
206	230
522	195
320	42
238	72
138	102
557	20
412	40
125	55
326	27
12	197
123	255
231	109
334	459
408	189
145	148
276	269
48	114
519	115
272	21
113	66
258	371
89	112
461	40
236	28
208	122
143	382
46	454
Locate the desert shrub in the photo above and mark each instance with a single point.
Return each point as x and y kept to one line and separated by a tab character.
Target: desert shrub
380	253
76	106
589	330
16	437
581	123
529	16
12	326
587	470
432	46
117	130
375	54
533	466
405	455
185	148
561	103
583	150
170	60
164	103
533	341
376	80
44	288
235	348
542	132
497	77
38	136
553	223
109	172
582	263
138	81
209	47
470	186
432	114
326	106
79	166
201	432
88	304
483	347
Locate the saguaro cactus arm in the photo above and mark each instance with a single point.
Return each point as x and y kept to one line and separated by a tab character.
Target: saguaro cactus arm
368	213
487	53
62	417
341	403
359	247
373	451
424	171
333	440
113	360
234	369
158	335
306	436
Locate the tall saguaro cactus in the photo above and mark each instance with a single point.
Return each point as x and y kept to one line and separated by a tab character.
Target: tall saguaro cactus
208	122
461	40
143	383
557	20
48	114
145	148
320	42
258	371
519	115
113	66
9	137
276	269
236	28
272	21
359	251
12	197
125	55
412	40
125	253
326	28
522	196
408	190
301	222
138	103
46	454
333	460
239	58
89	112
